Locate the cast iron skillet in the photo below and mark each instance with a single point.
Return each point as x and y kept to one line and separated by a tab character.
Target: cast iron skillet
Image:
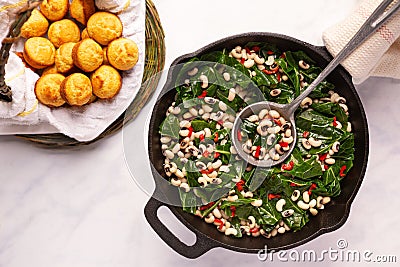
330	219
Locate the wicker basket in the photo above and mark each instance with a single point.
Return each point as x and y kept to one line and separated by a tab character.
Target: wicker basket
154	63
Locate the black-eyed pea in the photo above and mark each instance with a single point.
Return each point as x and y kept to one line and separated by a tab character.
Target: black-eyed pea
287	213
326	200
187	115
306	144
165	139
338	125
231	231
313	211
279	204
304	65
169	154
335	146
285	78
209	219
257	203
313	203
295	195
176	182
217	213
185	187
274	114
204	81
281	230
261	67
306	196
262	114
330	161
202	180
306	102
227	76
275	92
348	128
252	221
314	142
302	205
231	95
248	63
232	198
270	60
319	202
193	71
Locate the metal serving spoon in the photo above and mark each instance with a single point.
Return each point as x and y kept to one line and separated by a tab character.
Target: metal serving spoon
377	18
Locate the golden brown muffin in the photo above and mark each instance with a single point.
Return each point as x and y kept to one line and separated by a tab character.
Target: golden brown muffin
84	34
81	10
63	60
35	26
106	82
123	54
104	27
64	31
50	70
54	9
105	59
47	90
87	55
92	99
39	52
76	89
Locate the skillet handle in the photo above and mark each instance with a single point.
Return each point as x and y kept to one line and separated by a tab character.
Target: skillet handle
202	245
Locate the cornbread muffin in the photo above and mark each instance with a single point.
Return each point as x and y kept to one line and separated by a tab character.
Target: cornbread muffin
50	70
64	31
39	52
76	89
54	9
81	10
87	55
84	34
104	27
123	54
35	26
63	60
106	82
105	59
47	90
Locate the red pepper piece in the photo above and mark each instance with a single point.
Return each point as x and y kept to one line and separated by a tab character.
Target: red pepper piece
256	48
206	154
289	166
293	184
239	135
233	211
242	61
312	187
278	76
201	137
254	230
216	137
190	131
247	50
342	170
323	156
272	196
269	72
283	144
207	206
203	94
219	222
207	171
278	122
216	155
334	122
220	122
269	52
306	134
239	185
257	153
326	167
283	55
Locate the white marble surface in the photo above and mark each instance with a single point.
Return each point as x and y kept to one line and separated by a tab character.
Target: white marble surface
81	207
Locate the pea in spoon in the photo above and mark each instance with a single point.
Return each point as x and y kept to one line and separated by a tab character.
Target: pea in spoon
381	14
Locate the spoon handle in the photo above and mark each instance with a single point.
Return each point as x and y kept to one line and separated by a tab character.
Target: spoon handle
370	26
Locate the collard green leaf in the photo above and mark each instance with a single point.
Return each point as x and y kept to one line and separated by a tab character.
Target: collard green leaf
170	127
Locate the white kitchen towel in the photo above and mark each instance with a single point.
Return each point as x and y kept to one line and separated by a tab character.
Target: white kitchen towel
379	55
82	123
